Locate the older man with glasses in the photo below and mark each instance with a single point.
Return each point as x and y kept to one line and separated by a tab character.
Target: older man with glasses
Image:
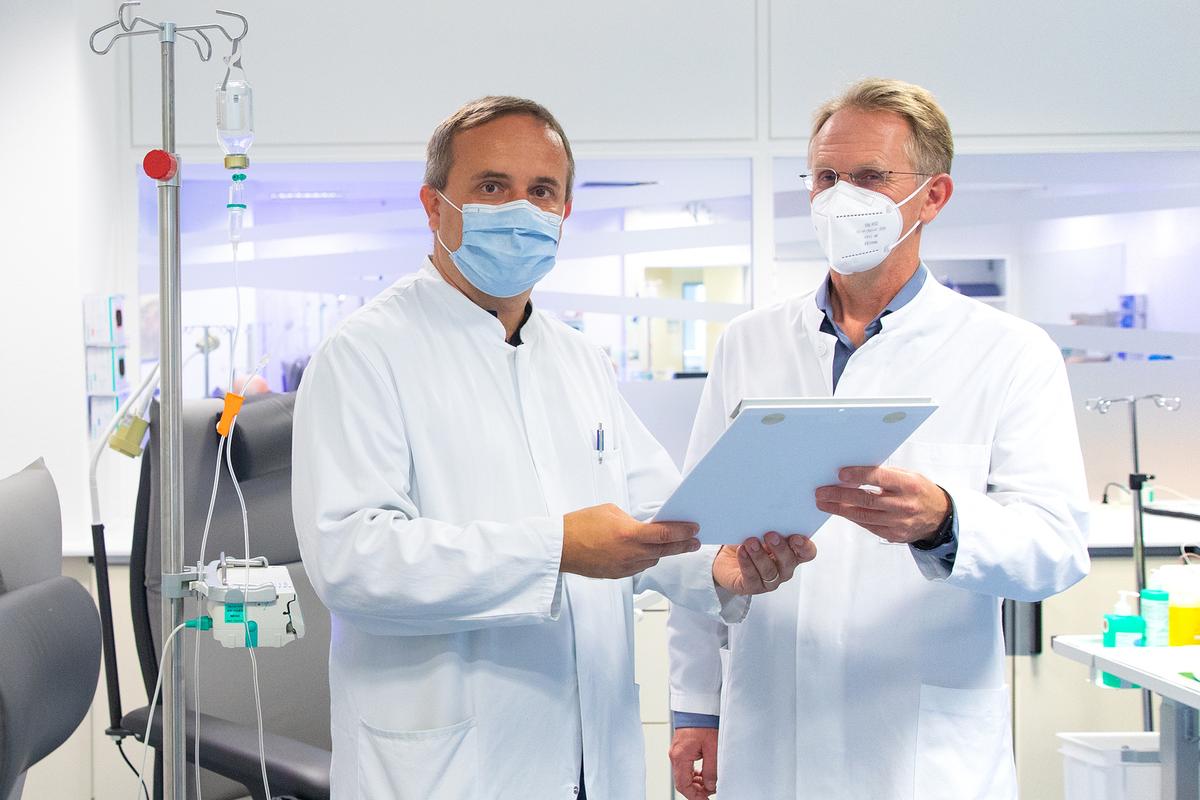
879	671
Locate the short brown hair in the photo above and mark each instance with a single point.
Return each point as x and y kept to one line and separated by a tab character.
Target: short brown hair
930	145
439	155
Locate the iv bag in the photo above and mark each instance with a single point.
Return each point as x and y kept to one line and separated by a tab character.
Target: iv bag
235	115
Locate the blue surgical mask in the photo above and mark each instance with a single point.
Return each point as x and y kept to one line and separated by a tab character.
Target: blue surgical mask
506	248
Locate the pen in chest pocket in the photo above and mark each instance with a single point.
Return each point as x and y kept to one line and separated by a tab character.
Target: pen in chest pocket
599	442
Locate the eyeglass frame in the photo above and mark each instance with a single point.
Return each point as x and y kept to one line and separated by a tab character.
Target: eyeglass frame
807	177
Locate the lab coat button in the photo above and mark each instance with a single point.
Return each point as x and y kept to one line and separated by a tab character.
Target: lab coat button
575	790
821	349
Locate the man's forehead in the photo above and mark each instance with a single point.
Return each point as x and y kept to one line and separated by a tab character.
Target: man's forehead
518	137
863	136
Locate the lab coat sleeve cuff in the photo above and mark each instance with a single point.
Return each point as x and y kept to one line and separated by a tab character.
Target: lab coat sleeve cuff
696	703
734	607
937	564
686	580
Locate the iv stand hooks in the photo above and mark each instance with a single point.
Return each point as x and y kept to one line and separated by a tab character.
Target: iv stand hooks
130	27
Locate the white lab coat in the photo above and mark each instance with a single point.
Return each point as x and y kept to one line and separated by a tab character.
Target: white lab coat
432	465
874	674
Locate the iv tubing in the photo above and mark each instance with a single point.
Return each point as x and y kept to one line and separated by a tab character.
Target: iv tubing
262	753
153	703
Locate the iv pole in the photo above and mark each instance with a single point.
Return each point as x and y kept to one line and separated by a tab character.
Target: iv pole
1137	480
163	166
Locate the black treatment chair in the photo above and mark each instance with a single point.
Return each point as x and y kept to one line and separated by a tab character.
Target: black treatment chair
49	630
294	680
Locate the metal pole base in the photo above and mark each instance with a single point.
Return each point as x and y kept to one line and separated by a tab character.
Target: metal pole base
1179	751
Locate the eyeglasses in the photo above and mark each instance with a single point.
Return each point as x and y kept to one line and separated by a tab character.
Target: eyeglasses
873	179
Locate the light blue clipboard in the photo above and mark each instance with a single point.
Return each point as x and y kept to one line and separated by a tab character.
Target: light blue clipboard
761	474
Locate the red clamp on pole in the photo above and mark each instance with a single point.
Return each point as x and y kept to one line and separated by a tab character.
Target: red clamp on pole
160	165
233	404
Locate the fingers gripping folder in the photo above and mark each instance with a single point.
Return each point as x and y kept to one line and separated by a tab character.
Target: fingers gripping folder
761	475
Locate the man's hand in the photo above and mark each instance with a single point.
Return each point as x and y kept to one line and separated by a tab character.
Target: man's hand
909	507
689	746
761	565
605	542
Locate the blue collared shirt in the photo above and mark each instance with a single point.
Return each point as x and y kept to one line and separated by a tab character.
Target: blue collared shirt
943	555
845	347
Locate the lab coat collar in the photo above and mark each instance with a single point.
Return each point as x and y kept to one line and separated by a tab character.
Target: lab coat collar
915	300
907	292
478	321
924	307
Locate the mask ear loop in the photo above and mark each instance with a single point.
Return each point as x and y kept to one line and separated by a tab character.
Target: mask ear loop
438	234
916	224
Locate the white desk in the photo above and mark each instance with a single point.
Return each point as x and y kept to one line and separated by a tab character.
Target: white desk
1156	669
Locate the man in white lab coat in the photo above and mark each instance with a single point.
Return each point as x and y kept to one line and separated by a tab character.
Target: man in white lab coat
464	472
879	672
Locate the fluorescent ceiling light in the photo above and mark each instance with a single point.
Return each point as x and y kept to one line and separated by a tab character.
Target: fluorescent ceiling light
615	184
306	195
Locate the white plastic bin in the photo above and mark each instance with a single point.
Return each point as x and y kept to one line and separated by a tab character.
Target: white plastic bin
1110	766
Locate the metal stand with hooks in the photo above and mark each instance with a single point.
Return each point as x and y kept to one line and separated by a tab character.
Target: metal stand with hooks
163	165
1137	480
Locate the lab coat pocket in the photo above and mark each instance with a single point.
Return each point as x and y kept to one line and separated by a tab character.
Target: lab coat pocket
964	745
417	765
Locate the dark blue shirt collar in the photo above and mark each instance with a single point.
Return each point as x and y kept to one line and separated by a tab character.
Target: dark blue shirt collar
907	292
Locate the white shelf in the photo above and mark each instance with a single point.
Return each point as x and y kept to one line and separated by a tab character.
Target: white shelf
1153	668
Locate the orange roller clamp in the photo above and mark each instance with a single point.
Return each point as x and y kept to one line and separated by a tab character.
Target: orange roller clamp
233	404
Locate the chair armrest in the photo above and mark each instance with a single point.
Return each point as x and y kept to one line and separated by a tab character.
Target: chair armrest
230	749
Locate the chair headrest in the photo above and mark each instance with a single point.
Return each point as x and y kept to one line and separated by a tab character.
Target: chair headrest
262	440
30	528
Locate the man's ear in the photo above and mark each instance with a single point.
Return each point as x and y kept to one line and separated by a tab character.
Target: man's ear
433	206
940	190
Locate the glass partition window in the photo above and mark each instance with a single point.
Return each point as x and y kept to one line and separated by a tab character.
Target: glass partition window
654	259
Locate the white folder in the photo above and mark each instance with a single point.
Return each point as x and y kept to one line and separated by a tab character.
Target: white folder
762	473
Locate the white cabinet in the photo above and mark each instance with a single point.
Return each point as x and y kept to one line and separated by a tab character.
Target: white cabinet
650	671
385	73
1060	72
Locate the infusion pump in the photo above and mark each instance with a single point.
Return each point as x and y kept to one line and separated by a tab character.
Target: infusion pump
252	604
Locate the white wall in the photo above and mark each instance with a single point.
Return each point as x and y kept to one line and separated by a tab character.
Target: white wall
58	233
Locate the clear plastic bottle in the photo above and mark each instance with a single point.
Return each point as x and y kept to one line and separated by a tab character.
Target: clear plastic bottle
236	206
235	118
1155	612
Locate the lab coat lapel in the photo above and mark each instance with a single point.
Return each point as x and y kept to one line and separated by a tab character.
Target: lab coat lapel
819	345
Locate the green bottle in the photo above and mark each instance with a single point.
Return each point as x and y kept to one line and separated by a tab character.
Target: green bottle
1122	628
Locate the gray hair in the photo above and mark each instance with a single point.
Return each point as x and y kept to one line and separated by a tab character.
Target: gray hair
930	145
439	155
